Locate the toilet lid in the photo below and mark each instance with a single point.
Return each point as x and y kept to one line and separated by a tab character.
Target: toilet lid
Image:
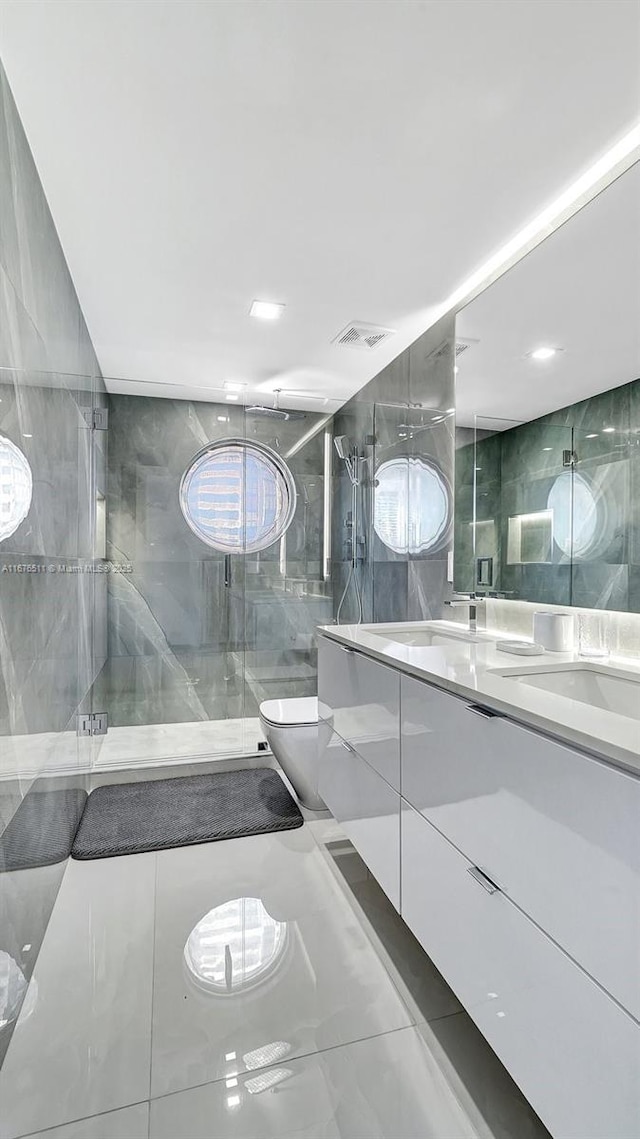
297	710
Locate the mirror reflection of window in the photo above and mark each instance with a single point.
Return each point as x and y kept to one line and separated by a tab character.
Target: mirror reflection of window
16	488
412	510
235	947
576	508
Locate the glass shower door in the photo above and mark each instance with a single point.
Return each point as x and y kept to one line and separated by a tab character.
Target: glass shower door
169	608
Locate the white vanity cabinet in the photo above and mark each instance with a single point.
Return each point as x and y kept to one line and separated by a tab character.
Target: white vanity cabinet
515	861
366	807
558	830
360	699
574	1053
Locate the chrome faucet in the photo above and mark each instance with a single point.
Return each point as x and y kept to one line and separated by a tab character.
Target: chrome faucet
472	601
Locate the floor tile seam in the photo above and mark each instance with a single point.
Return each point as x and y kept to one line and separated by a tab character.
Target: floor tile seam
81	1119
285	1060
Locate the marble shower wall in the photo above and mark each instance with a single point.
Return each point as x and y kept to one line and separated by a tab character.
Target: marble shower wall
516	470
192	635
49	379
404	412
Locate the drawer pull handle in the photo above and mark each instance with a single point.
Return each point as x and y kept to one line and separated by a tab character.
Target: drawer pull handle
347	747
483	879
485	713
346	649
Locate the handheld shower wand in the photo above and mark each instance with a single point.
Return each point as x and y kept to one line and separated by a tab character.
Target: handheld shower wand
351	460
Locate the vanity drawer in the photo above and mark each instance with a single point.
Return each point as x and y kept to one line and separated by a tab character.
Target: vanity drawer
361	700
368	810
555	828
574	1053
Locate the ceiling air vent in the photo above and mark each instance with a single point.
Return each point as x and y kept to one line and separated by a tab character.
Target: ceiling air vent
359	335
462	345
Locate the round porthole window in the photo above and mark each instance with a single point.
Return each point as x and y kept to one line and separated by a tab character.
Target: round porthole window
412	511
578	521
16	488
238	496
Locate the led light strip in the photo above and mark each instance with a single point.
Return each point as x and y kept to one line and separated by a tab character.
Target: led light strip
619	158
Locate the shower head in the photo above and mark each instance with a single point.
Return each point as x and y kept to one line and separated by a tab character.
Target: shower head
275	412
341	444
349	456
268	412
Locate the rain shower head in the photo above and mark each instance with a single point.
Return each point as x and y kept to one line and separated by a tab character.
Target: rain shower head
269	412
275	412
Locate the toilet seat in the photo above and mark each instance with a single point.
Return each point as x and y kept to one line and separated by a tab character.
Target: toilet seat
298	711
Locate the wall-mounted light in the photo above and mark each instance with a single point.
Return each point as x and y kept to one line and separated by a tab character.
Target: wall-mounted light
328	502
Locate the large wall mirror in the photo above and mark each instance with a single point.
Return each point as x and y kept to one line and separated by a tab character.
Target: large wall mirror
548	417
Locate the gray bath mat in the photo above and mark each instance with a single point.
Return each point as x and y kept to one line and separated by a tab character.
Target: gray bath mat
130	818
42	830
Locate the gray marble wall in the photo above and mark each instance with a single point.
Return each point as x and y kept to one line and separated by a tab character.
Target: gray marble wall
404	412
49	377
515	472
188	638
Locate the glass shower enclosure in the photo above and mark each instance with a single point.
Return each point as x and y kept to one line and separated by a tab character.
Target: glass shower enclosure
214	542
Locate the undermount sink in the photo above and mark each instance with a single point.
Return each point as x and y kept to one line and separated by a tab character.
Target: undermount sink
426	633
611	689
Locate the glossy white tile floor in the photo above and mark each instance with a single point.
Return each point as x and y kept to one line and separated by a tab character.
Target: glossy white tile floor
261	987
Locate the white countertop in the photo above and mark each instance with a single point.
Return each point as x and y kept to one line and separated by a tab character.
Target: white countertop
465	670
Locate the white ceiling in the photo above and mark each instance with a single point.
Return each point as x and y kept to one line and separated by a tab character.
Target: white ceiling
353	160
578	291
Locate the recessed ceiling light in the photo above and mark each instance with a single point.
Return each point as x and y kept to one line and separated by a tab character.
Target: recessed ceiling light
608	430
547	448
25	436
542	353
266	310
232	396
234	386
223	418
594	435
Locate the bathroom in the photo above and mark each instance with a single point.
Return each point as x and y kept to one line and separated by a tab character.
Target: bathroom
319	592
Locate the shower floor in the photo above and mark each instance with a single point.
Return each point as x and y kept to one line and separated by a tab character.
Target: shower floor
61	753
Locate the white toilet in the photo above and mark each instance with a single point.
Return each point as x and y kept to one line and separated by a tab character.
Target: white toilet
292	732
